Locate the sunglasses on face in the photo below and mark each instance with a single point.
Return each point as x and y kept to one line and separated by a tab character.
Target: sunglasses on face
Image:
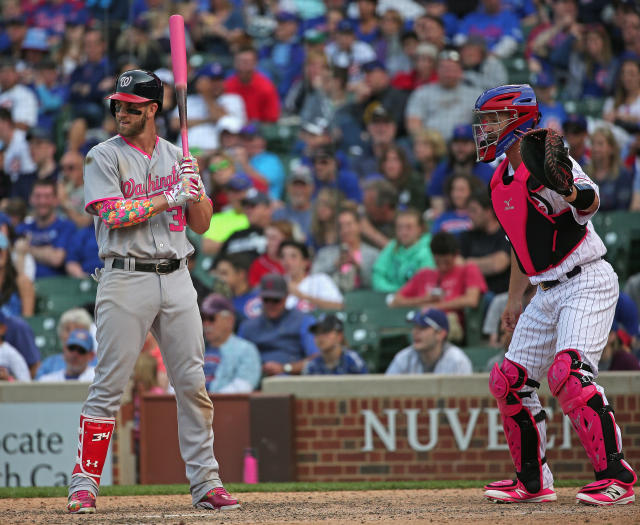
77	349
322	160
69	167
209	318
217	166
271	300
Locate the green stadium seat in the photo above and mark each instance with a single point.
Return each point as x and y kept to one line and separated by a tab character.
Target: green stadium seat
480	355
57	294
517	69
588	107
44	328
620	232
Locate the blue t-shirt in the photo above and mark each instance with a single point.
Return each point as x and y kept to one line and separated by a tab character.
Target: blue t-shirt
212	360
83	249
20	336
491	27
346	181
301	218
552	116
247	306
92	73
436	185
454	222
57	234
350	363
269	165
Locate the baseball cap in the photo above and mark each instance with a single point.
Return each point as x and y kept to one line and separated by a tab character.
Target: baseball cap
250	129
327	323
273	286
368	67
475	40
301	173
345	26
4	242
314	36
425	48
212	70
462	132
323	151
432	317
449	54
35	39
254	197
378	114
215	303
286	16
230	124
317	126
574	123
18	20
81	338
40	133
543	79
239	182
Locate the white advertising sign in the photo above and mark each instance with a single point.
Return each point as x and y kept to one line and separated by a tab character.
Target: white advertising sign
38	444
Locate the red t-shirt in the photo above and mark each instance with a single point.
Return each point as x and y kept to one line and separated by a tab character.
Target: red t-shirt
262	266
260	97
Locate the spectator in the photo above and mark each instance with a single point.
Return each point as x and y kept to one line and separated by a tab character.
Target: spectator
217	26
231	364
351	263
313	134
335	358
482	70
500	28
13	366
281	335
78	353
405	255
16	97
423	69
256	161
34	51
17	162
327	174
251	240
616	354
429	148
137	43
388	47
306	291
45	235
258	92
71	50
42	149
458	189
367	28
82	256
16	31
348	52
232	217
269	262
324	218
461	160
52	93
441	10
207	106
233	270
442	105
485	245
430	29
20	335
606	170
298	209
429	351
553	113
283	59
575	133
71	189
17	294
628	319
71	320
453	286
309	95
379	204
89	83
630	28
624	108
394	166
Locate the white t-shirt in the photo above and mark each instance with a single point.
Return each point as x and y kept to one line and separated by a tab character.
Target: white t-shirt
17	157
12	360
318	286
453	361
58	375
23	104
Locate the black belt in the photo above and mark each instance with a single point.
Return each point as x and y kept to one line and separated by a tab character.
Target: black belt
161	268
547	285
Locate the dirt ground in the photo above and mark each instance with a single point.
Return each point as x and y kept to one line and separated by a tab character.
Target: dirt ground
393	506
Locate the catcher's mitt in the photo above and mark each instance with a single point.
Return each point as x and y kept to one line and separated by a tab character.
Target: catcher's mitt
546	158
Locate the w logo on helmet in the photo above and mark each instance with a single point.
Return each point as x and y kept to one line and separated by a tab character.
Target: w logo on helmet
125	81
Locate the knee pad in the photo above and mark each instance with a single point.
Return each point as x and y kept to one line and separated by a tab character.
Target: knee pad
570	381
520	425
93	445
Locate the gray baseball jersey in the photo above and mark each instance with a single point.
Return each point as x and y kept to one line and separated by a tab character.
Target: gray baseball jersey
115	169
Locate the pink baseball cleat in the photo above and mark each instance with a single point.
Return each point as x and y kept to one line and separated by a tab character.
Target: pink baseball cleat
606	492
512	491
81	502
218	499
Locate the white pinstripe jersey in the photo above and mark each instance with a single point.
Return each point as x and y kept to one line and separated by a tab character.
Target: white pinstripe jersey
115	169
590	249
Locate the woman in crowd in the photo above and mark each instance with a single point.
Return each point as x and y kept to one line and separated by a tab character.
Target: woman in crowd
606	169
324	230
624	108
429	148
457	188
269	262
395	167
17	293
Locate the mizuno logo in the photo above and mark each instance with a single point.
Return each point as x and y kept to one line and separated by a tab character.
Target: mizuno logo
507	205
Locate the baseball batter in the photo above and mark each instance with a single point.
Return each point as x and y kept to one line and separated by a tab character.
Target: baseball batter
544	203
143	195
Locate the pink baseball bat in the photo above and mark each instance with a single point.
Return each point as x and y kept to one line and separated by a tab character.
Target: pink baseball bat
179	64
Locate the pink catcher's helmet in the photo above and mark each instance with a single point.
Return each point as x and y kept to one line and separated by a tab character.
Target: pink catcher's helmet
501	114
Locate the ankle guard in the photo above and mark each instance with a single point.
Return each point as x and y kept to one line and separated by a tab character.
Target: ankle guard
95	435
570	381
520	426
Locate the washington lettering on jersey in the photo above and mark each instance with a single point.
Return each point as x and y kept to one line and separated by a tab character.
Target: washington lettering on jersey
154	186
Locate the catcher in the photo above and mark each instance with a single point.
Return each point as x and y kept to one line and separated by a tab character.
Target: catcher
544	202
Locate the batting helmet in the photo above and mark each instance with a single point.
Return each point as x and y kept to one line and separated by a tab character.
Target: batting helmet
492	132
137	85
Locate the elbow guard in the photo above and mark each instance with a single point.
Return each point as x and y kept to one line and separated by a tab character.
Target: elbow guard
585	195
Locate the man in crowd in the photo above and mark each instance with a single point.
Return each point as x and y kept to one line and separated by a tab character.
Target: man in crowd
234	271
334	358
12	364
380	202
257	162
231	364
298	208
78	353
16	97
430	352
281	335
16	157
327	174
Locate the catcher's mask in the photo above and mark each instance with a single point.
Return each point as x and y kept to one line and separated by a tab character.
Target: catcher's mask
137	85
501	114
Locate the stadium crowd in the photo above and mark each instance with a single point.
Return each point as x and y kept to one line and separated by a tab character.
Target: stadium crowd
334	139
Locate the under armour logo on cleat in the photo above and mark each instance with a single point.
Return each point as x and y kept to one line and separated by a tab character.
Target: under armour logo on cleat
613	492
93	464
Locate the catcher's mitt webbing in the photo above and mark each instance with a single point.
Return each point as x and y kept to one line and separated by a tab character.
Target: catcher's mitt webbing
545	156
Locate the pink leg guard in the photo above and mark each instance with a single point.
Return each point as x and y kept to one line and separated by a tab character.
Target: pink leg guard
95	435
570	381
520	425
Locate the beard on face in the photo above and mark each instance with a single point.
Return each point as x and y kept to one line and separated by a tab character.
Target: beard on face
133	129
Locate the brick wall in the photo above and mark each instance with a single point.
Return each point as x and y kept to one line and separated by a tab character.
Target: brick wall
343	439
